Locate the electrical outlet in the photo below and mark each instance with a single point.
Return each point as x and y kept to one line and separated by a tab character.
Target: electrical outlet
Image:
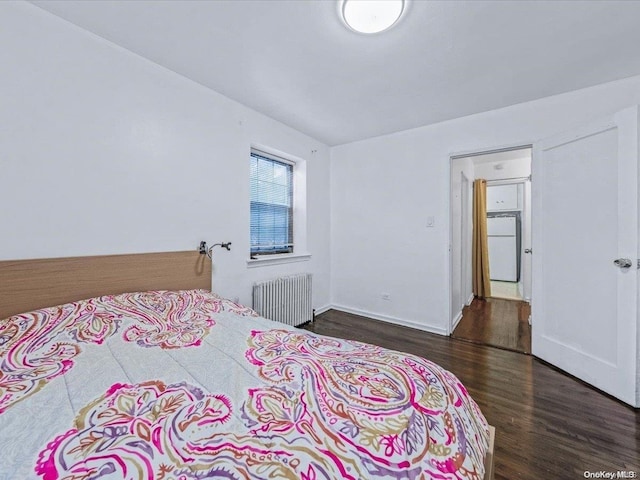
386	296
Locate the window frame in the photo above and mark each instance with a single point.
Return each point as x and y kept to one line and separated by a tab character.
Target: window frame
276	253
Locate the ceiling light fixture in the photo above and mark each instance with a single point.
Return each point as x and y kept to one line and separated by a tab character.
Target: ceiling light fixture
371	16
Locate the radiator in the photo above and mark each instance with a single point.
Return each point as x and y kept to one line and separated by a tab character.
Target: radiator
286	299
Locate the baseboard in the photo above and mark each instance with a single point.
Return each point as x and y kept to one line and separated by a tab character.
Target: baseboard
471	297
456	321
322	309
390	319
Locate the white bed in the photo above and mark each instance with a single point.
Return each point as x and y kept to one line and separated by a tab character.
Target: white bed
186	385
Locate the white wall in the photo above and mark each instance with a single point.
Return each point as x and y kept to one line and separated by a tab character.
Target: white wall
103	152
384	188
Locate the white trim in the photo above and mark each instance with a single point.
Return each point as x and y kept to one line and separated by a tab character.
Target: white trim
389	319
508	181
485	151
471	297
450	245
455	322
274	154
271	156
277	259
578	351
321	310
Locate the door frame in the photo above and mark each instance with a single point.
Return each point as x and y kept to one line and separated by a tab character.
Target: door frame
464	154
465	258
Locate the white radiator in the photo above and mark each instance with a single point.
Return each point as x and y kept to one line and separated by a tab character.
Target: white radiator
285	299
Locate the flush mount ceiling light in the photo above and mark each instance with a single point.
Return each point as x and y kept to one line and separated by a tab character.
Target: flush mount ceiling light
371	16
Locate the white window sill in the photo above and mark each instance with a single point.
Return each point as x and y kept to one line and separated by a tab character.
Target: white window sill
266	260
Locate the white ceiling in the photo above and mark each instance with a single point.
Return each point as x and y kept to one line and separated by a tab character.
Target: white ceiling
296	62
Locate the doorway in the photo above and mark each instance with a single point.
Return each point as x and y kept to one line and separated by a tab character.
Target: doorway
502	319
586	232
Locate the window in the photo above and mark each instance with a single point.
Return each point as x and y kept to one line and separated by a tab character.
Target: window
271	205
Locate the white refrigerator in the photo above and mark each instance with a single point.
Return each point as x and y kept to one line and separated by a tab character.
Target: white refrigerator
503	248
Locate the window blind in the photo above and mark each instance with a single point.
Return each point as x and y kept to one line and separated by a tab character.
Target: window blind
271	205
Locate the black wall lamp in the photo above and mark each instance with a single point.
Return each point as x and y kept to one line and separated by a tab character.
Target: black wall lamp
204	250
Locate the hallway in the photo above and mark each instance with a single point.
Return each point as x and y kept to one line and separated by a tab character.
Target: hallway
496	322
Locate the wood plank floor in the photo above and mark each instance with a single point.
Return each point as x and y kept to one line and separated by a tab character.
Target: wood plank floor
548	425
496	322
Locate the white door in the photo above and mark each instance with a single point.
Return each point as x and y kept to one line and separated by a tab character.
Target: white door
585	216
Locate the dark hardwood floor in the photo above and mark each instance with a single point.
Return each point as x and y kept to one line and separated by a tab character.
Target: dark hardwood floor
497	322
548	425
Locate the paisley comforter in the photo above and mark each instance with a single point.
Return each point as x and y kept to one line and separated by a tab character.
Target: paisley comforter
187	385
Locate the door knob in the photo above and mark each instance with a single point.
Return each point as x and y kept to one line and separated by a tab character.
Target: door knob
623	262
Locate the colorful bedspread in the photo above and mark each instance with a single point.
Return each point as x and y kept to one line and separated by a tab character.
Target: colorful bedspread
186	385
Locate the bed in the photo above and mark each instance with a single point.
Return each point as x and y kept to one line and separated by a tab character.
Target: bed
170	381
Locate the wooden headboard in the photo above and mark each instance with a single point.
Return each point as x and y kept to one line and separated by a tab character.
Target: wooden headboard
27	285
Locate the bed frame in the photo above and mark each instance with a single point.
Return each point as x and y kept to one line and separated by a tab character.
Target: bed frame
27	285
488	459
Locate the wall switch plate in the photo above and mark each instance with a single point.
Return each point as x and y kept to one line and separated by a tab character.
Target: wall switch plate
431	221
